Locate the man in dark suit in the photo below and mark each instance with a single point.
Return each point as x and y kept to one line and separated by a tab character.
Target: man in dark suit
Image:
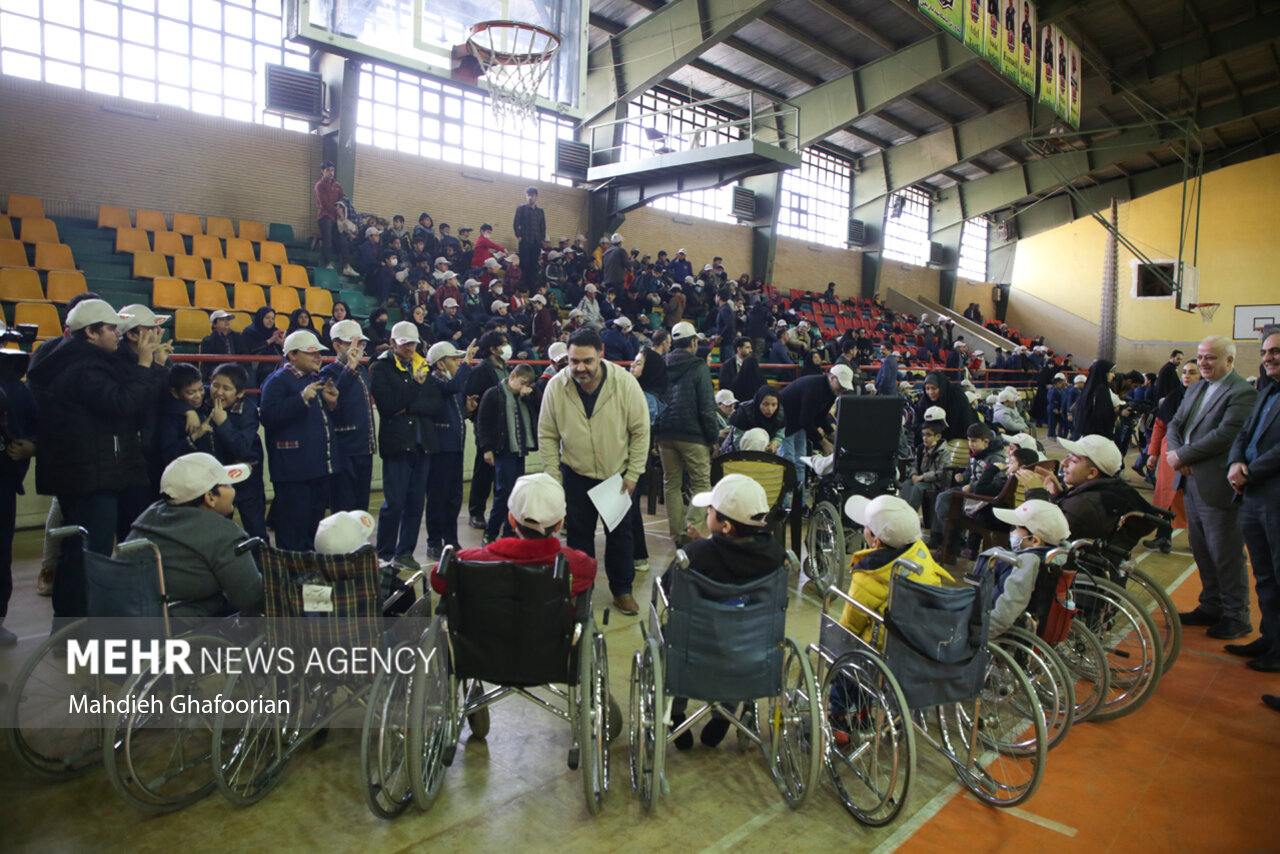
1255	475
1167	380
1199	440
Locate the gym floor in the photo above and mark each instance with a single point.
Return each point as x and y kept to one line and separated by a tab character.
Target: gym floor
1194	769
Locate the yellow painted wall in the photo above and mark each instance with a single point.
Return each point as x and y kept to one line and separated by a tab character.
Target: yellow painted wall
968	291
908	280
809	266
650	230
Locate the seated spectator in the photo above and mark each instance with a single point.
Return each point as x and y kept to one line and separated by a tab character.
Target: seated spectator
930	470
619	345
262	338
1088	487
368	254
979	478
1006	413
221	340
1036	527
377	333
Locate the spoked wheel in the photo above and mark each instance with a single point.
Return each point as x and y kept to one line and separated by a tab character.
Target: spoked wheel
824	547
870	750
384	760
592	718
1135	653
1154	599
997	741
648	727
1086	661
1048	675
160	760
477	722
38	696
251	751
791	735
433	717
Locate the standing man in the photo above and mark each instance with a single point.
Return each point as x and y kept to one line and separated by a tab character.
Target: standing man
1199	440
1255	474
613	265
807	403
297	406
530	226
686	429
595	424
887	376
327	191
1167	380
352	419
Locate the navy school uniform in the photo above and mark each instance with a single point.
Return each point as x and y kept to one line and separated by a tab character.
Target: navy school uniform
444	498
302	455
236	441
353	430
171	428
17	421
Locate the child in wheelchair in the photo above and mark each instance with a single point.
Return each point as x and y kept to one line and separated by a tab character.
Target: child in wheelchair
1037	526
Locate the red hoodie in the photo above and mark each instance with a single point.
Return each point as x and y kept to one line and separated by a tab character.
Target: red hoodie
529	553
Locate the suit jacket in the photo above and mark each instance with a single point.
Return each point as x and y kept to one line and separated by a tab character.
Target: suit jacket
1264	471
1205	442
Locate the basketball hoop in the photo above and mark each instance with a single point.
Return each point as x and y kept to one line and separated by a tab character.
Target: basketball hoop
515	57
1206	309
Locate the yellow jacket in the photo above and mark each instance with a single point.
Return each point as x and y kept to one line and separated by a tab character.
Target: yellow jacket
870	587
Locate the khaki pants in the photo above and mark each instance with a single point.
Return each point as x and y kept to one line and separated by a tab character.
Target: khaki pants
677	459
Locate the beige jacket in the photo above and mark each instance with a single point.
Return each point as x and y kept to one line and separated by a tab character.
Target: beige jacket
616	437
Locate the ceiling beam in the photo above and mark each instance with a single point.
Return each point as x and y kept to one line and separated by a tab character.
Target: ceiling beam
791	31
1215	44
895	122
924	106
866	137
1139	29
851	21
964	94
765	58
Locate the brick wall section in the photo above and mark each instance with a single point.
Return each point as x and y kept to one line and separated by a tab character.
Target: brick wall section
809	266
649	230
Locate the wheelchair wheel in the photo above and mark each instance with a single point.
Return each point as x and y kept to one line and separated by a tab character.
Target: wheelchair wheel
39	694
870	743
824	547
648	725
251	753
1154	599
1086	661
384	742
161	761
997	741
477	722
792	733
433	717
592	718
1048	675
1135	654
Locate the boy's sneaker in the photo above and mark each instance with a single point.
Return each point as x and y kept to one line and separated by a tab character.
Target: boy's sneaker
350	271
44	581
642	565
684	741
407	562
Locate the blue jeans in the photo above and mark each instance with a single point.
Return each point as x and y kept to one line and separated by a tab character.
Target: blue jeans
506	468
794	447
404	495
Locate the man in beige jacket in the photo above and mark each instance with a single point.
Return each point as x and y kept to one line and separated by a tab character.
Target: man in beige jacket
595	424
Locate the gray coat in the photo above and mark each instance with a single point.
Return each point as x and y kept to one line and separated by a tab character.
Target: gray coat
1205	443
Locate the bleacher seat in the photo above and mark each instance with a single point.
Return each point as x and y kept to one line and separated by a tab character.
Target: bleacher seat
251	229
169	293
21	207
189	267
295	276
132	240
188	224
285	300
39	231
54	256
273	253
228	272
20	286
6	228
111	216
151	220
42	314
318	322
169	243
62	285
217	226
190	325
149	265
205	246
281	232
249	298
211	295
319	302
330	280
240	250
240	320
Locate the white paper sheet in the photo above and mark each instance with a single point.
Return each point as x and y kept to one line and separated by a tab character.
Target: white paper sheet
611	500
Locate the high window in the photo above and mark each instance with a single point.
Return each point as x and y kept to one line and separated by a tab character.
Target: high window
906	227
815	199
973	250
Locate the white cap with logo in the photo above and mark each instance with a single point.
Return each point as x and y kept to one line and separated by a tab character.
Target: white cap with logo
557	351
1041	518
1008	395
192	475
724	397
303	340
343	533
93	311
935	413
1104	453
843	375
683	330
138	315
738	497
404	332
1023	440
346	330
443	350
891	519
537	501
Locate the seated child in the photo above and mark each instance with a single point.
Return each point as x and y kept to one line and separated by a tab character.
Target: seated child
979	478
1037	527
234	418
344	533
931	468
179	426
1016	459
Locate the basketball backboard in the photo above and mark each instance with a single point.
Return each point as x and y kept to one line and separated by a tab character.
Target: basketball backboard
420	35
1249	320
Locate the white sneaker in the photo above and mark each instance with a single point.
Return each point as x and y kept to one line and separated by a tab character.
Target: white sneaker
642	566
350	271
330	266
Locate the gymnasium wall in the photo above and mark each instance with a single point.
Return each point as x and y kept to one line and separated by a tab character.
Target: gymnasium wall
809	266
650	230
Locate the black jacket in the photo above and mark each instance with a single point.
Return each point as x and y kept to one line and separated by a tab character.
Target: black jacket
735	561
690	414
484	375
87	431
530	224
807	403
491	422
407	408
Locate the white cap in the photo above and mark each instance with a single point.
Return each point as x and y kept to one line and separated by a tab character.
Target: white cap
689	280
972	396
450	303
553	255
495	305
935	413
219	314
442	260
623	322
372	230
343	533
575	312
536	501
802	325
993	399
138	315
346	330
890	518
538	298
471	283
966	384
1079	380
404	332
869	387
706	267
93	311
192	475
724	397
442	350
683	330
1041	518
1008	395
781	324
617	238
303	340
491	262
681	252
591	289
738	497
449	274
1057	377
513	259
755	439
557	351
1024	440
1104	453
844	375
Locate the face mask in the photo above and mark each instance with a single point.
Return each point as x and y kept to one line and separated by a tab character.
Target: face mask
1015	541
505	352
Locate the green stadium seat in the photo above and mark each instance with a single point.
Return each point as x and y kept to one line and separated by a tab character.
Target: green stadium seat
328	279
281	232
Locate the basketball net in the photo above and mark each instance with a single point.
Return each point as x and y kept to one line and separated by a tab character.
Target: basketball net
1207	310
515	58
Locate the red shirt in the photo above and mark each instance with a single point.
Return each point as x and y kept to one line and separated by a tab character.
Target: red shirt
328	191
530	553
484	251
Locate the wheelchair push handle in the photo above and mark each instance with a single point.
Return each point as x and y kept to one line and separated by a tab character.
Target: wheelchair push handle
64	531
250	544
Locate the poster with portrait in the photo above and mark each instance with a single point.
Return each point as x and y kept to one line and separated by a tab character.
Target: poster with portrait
1049	67
948	13
1010	14
1027	48
1060	72
974	30
1075	71
994	52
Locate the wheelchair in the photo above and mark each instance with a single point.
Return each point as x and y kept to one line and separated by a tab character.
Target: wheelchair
927	672
517	628
724	644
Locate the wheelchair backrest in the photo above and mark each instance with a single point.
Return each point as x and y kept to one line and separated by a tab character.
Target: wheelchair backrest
124	587
724	642
774	474
868	430
322	600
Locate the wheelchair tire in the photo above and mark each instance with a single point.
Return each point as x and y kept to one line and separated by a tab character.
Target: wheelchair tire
41	689
870	753
1135	652
825	560
1086	660
384	760
433	717
478	721
792	734
252	758
592	718
1154	599
1048	675
648	723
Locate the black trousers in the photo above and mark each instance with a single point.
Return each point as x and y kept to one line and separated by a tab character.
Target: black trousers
95	513
529	251
296	511
8	522
350	484
580	532
481	486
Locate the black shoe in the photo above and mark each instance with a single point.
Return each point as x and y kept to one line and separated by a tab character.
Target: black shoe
1253	649
433	552
1269	663
714	731
7	638
477	522
1272	701
1196	618
684	741
1161	543
1229	629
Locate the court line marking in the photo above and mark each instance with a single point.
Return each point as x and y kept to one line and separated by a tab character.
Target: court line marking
733	837
918	820
1040	820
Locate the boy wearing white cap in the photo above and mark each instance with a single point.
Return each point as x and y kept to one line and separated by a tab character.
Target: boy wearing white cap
1036	526
221	340
931	468
191	526
137	320
450	369
352	419
1089	474
1006	412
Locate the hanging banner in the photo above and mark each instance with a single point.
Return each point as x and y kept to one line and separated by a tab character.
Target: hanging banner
1074	72
992	41
1048	67
1027	49
973	27
1009	21
948	13
1063	99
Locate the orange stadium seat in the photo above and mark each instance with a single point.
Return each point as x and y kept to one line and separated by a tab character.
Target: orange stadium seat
151	221
222	270
62	285
6	228
111	216
252	230
285	300
169	243
190	325
240	250
22	207
132	240
211	295
39	231
319	302
188	224
44	315
204	246
149	265
12	254
273	253
249	298
54	256
217	226
318	322
240	321
294	275
261	273
189	267
20	286
169	293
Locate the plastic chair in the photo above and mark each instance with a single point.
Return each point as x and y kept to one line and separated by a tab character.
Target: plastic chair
285	300
169	293
39	231
240	250
6	228
210	295
111	216
222	270
217	226
151	221
190	325
319	302
42	314
318	322
273	253
20	286
169	243
261	273
149	265
54	256
249	298
240	321
252	230
25	206
294	275
205	246
189	267
281	232
188	224
132	240
62	285
12	254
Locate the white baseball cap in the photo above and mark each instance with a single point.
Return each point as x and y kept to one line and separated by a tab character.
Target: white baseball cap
371	231
303	340
993	399
1024	440
192	475
138	315
219	314
617	238
706	267
1104	453
557	351
537	501
450	303
591	289
724	396
346	330
471	283
443	350
1008	395
683	331
1079	380
404	332
689	280
343	533
1042	518
675	286
755	439
623	322
449	274
553	255
442	260
491	263
738	497
1057	377
935	413
495	305
781	324
890	518
93	311
538	298
680	252
844	375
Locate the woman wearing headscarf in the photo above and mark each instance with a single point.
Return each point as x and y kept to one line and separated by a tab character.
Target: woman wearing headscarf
341	311
299	320
940	391
1040	403
1095	411
425	332
750	378
763	411
1166	497
263	338
376	331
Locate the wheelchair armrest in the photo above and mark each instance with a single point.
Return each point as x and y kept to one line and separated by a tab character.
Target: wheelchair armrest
834	592
250	544
61	533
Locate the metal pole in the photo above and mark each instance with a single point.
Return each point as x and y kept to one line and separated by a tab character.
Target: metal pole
1110	291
